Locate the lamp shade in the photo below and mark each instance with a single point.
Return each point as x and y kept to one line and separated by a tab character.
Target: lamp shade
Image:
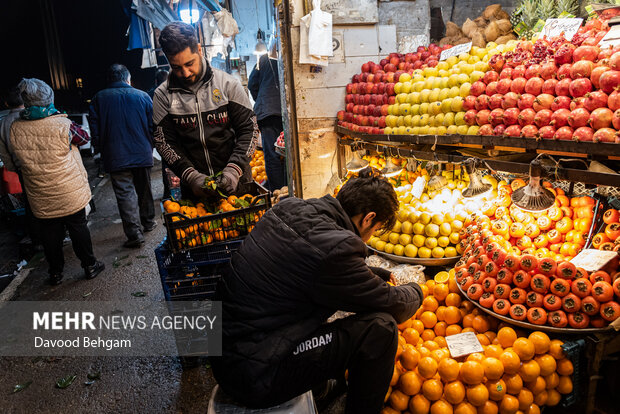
533	197
476	186
356	164
391	169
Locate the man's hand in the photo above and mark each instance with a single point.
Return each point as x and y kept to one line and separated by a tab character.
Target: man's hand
195	180
228	181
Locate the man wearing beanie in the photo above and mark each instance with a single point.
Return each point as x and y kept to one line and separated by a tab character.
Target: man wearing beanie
46	144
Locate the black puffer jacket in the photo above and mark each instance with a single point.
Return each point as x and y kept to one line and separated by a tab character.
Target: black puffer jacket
302	262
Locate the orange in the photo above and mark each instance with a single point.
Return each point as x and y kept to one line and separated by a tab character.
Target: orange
481	324
395	376
537	386
453	299
441	406
547	364
410	357
541	398
524	348
452	285
411	336
493	368
410	383
399	400
553	398
452	315
427	367
453	330
476	356
529	371
565	367
506	336
468	320
405	325
532	409
497	389
448	369
552	381
489	407
470	329
541	341
430	284
432	389
389	410
441	340
491	335
440	291
430	345
425	291
526	398
439	354
555	349
441	313
513	382
418	404
483	339
508	405
477	395
424	352
511	361
429	319
565	385
465	408
472	372
430	304
454	392
494	351
417	325
440	328
428	335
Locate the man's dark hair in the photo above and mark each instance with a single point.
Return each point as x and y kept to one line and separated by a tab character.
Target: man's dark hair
176	37
118	73
367	193
160	76
13	98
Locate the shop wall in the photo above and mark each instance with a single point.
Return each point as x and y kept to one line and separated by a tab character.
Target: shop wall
471	9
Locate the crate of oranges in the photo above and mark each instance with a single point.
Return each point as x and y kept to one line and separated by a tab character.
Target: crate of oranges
191	225
258	167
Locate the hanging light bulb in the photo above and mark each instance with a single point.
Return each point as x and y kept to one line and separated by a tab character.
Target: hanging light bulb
533	197
476	186
437	181
261	47
356	164
391	169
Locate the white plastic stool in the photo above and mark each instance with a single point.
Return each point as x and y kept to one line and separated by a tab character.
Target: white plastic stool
221	403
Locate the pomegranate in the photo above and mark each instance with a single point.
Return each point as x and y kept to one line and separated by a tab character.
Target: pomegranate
616	119
526	117
579	87
532	71
548	70
511	116
497	63
506	73
513	131
477	88
546	132
529	131
543	101
518	72
586	53
614	61
605	54
525	46
490	76
543	117
609	81
549	86
581	69
526	101
564	71
578	118
583	134
596	99
518	85
498	131
605	135
486	129
482	117
503	85
601	118
470	117
491	88
564	134
469	102
510	100
563	87
560	118
496	101
496	117
577	103
564	54
560	102
534	85
595	76
482	102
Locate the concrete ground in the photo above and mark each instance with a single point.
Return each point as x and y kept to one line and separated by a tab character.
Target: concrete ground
127	385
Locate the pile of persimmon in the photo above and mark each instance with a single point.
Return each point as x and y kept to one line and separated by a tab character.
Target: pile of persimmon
516	372
609	238
559	232
529	288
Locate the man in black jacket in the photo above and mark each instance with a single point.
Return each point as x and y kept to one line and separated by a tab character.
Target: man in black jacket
302	262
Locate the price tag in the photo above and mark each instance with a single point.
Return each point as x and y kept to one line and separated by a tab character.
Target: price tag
555	27
611	39
592	260
455	51
418	187
463	344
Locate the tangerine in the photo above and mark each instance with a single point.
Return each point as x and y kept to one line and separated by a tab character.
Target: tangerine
454	392
552	380
468	320
537	386
453	329
547	364
493	368
541	341
508	405
483	339
428	335
465	408
440	312
506	336
513	382
529	371
418	404
410	357
427	367
532	409
430	303
395	376
432	389
489	407
410	383
555	349
540	399
448	369
452	315
511	361
476	356
524	348
565	385
399	400
441	406
565	367
472	372
481	324
418	325
526	398
411	336
429	319
441	291
497	389
441	340
553	398
440	328
389	410
477	395
453	299
494	351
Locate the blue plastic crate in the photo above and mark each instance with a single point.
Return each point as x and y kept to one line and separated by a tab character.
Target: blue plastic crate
193	274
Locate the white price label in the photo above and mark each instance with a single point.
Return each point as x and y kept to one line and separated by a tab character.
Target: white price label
555	27
611	39
455	51
592	260
418	187
463	344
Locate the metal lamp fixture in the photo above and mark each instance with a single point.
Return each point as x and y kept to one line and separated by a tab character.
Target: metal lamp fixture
437	181
476	186
533	197
356	164
261	47
391	169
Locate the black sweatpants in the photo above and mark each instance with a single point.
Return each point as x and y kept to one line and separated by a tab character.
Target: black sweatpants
53	234
134	198
275	165
365	344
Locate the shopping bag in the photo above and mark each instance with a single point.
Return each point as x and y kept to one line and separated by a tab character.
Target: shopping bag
226	23
320	32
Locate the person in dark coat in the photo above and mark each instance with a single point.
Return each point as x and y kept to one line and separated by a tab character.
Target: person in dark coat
121	124
305	260
264	85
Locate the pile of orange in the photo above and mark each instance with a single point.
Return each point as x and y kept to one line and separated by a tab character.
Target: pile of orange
514	373
609	238
258	167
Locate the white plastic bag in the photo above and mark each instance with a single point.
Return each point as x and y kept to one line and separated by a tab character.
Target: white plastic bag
304	55
226	23
320	32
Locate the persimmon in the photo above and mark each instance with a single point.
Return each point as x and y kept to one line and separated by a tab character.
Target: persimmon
540	283
517	295
616	286
552	302
504	276
521	279
600	276
518	312
544	223
571	303
475	291
560	287
590	306
581	287
466	283
602	291
578	320
610	311
537	316
612	231
547	266
599	239
611	216
511	262
528	262
566	270
501	306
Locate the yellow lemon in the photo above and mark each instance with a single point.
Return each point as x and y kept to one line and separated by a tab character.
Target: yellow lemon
438	252
443	241
424	252
418	240
411	250
404	239
399	250
430	242
431	230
